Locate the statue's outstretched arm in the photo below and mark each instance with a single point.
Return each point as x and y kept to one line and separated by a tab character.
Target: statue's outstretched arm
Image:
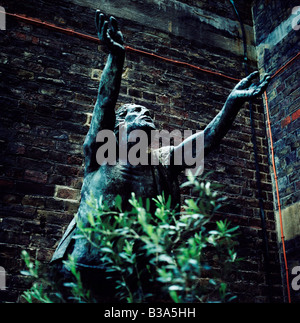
244	91
104	111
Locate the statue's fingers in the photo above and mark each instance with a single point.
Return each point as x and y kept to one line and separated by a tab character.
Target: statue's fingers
265	84
99	20
250	78
112	44
114	24
261	88
102	21
120	37
245	82
104	31
115	32
265	78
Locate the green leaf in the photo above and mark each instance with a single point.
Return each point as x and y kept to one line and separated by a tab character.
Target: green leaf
213	282
166	258
90	218
26	273
119	202
107	250
175	288
174	296
213	232
78	236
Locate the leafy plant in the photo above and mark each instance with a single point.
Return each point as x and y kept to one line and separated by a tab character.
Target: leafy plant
161	255
37	291
45	288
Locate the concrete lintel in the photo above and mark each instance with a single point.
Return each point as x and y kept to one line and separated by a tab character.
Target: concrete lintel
179	19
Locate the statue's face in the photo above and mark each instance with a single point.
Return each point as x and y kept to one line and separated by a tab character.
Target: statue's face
137	117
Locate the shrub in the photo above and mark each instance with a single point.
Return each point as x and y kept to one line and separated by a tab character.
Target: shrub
155	256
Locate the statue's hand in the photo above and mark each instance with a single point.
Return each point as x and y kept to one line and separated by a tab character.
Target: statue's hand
247	90
109	33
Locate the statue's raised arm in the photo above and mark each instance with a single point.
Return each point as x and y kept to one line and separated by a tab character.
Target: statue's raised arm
104	112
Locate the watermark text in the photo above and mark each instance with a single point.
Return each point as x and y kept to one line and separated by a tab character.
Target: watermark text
296	280
296	20
2	279
166	148
2	18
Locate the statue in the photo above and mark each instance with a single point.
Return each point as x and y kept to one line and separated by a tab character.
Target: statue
145	180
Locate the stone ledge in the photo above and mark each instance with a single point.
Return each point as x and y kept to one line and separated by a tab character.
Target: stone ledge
180	20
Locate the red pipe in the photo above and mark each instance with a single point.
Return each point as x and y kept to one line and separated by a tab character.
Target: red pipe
71	32
275	175
285	65
128	48
278	199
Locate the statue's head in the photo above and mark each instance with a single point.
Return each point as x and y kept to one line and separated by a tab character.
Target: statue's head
134	117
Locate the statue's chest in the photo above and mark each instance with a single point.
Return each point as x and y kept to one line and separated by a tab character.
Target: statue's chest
110	181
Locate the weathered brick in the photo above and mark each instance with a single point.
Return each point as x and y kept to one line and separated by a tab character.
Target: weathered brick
35	176
66	193
135	93
53	72
20	36
149	96
75	160
37	201
163	99
26	75
285	121
296	115
81	98
35	40
68	170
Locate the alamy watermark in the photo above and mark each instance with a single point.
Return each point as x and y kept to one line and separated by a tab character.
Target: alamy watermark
187	149
2	18
296	280
296	20
2	278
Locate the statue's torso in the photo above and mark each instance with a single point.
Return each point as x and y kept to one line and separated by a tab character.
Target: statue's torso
109	181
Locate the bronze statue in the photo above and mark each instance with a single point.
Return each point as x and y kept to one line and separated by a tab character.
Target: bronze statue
146	181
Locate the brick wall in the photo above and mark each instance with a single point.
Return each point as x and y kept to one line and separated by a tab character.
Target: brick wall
49	84
277	43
